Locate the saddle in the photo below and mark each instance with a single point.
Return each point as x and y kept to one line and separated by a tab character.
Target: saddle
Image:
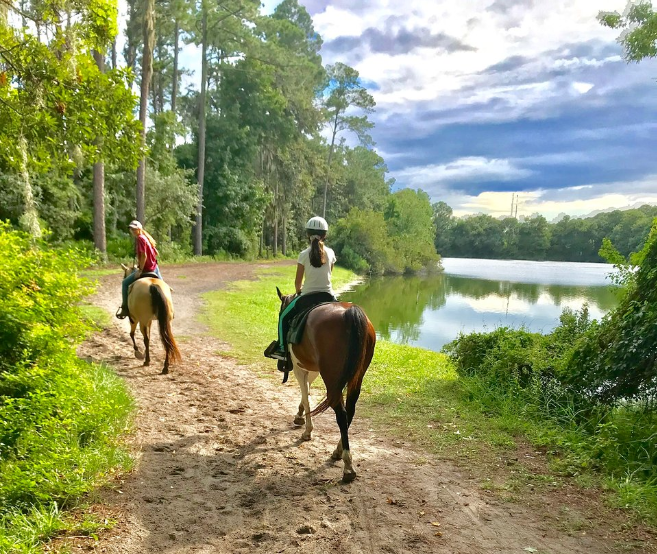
298	324
148	274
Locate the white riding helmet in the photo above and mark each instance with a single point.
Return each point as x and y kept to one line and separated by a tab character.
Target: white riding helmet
317	224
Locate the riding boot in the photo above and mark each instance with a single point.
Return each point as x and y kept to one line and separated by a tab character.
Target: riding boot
122	313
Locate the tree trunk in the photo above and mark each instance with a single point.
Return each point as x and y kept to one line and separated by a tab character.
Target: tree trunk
114	54
146	74
100	240
284	232
330	158
198	228
174	85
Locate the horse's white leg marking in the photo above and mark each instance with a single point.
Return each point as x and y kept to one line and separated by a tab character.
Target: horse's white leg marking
348	474
304	378
337	453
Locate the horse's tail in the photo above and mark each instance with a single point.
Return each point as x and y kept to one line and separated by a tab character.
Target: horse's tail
162	308
361	341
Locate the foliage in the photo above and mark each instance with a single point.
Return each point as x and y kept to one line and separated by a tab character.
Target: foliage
59	416
617	362
569	239
639	25
362	243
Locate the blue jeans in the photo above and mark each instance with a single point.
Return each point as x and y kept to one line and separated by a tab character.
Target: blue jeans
128	281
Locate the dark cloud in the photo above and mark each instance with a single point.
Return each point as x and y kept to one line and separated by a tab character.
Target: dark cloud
588	139
509	64
397	41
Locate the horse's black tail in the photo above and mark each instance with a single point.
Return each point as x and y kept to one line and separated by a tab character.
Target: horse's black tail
162	308
360	349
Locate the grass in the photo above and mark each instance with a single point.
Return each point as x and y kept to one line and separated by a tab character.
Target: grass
71	454
98	317
416	394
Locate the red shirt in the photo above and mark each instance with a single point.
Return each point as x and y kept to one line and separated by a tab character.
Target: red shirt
144	246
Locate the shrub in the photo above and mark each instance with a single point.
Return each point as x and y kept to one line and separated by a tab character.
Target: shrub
59	416
617	361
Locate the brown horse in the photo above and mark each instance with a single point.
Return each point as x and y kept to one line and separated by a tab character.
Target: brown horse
150	299
338	344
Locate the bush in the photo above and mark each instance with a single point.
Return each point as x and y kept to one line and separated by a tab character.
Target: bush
59	416
617	361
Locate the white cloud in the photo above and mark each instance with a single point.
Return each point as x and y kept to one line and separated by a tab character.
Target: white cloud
575	201
461	170
582	88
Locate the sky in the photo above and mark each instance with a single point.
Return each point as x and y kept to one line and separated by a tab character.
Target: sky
479	99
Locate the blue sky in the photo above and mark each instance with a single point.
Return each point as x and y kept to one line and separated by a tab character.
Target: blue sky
477	99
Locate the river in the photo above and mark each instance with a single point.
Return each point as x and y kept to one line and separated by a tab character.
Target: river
480	295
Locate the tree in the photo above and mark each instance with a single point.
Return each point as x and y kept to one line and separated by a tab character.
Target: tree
146	75
345	91
443	221
639	25
57	106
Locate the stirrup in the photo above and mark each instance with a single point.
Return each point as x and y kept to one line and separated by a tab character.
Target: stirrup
120	314
272	352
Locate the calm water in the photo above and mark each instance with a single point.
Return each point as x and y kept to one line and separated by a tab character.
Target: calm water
479	295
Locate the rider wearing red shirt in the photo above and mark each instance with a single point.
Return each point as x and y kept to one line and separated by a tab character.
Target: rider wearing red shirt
146	262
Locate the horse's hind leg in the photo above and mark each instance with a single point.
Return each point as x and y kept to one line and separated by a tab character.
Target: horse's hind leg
348	474
146	332
133	328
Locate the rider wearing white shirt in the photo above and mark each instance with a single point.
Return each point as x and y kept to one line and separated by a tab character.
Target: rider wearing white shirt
312	284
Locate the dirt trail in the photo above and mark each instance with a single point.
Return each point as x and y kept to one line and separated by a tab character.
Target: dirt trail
222	468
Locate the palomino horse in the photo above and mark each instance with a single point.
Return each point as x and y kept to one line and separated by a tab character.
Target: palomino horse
338	344
150	299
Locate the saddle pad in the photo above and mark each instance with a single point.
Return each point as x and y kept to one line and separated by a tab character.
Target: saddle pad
298	324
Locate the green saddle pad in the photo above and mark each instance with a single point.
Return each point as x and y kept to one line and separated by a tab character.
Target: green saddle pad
298	324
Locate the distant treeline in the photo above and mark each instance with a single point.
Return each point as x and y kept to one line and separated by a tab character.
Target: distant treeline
570	240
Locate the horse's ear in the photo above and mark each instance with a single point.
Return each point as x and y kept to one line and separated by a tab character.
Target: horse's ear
280	294
124	267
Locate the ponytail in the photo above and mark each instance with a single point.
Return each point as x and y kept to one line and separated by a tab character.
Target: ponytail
317	254
151	240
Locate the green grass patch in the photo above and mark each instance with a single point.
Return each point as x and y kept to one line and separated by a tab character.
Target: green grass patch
96	316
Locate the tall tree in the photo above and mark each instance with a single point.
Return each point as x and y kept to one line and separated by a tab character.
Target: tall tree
100	240
345	91
146	75
198	227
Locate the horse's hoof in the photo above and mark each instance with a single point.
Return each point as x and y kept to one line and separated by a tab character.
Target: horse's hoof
139	355
299	420
147	363
348	477
306	437
336	456
165	370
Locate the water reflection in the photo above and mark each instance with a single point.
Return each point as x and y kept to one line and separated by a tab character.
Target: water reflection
429	311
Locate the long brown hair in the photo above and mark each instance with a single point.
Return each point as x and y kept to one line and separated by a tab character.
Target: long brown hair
317	254
143	231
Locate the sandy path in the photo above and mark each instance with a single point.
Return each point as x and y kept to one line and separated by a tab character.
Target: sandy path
222	468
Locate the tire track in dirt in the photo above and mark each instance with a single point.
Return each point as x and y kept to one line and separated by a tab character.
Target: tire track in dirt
222	469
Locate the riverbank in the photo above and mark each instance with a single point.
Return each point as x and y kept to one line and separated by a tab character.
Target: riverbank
417	394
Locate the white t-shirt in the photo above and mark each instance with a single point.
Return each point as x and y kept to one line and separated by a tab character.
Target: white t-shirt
317	279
